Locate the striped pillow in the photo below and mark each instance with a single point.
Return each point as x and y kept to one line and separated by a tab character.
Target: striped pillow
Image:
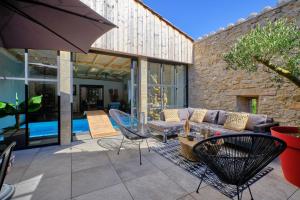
198	115
171	115
236	121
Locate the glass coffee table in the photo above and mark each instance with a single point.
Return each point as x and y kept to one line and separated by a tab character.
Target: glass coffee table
186	145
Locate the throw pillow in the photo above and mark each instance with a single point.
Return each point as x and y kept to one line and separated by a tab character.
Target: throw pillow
236	121
255	119
222	117
211	116
198	115
171	115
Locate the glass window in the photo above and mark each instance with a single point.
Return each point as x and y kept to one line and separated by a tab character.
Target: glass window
12	99
42	86
169	97
181	86
43	118
168	74
166	88
154	72
42	64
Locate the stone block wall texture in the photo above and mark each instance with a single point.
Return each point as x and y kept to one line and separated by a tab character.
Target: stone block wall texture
212	86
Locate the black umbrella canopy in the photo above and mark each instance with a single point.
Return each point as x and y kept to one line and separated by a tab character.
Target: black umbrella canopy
67	25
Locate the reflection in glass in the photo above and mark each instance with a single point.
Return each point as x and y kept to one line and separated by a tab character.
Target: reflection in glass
168	74
166	88
181	86
154	74
42	64
169	96
43	123
12	116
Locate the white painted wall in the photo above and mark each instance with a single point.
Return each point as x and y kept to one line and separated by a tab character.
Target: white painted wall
106	84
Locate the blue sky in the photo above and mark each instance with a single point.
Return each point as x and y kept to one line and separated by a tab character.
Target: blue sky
199	17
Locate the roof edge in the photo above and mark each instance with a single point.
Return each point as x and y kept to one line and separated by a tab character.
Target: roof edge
165	20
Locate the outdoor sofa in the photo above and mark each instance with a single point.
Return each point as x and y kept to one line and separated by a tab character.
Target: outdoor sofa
213	120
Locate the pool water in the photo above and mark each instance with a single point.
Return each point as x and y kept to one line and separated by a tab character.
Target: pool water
50	128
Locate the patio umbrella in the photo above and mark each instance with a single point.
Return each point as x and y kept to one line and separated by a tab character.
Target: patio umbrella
67	25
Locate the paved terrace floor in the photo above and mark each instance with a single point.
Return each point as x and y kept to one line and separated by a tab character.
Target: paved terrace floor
86	170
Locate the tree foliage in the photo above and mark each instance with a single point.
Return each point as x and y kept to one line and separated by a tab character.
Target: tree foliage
275	45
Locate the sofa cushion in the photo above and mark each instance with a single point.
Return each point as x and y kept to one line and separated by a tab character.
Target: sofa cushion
171	115
236	121
222	117
254	120
211	116
198	127
198	115
164	126
183	114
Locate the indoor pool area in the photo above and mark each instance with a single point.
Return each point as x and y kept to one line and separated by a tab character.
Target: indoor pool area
50	128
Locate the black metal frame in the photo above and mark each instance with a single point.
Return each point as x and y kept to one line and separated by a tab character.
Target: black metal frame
135	136
5	159
256	149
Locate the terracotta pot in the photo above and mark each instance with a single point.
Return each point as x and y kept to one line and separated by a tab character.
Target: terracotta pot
290	158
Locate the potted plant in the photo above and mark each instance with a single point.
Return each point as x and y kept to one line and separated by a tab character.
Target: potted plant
290	158
275	47
16	109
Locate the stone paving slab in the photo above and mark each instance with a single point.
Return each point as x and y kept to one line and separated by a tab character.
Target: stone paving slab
91	169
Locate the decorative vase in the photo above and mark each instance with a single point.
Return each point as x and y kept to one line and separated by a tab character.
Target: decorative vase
187	128
290	158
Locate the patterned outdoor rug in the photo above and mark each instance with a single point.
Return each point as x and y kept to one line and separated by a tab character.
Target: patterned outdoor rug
171	150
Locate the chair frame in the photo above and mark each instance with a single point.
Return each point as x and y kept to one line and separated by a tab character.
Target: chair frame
137	137
5	156
240	193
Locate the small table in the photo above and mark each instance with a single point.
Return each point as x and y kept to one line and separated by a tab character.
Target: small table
186	149
187	146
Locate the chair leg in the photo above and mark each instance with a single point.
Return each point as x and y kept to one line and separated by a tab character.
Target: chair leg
120	146
148	145
250	192
140	153
164	138
238	192
197	191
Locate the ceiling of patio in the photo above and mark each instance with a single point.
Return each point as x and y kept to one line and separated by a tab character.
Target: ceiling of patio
86	66
100	66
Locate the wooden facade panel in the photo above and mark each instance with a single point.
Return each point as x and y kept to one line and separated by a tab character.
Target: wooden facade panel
140	32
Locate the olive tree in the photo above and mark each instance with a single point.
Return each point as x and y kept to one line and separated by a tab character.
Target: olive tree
276	46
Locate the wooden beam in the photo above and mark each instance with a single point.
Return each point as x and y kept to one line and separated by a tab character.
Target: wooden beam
112	67
96	58
111	62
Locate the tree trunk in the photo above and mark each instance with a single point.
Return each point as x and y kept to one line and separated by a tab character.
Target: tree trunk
281	71
17	117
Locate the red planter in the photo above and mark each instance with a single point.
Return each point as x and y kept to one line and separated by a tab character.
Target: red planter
290	158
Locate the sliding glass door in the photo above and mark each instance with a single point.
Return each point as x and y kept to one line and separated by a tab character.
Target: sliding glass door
166	88
42	87
29	107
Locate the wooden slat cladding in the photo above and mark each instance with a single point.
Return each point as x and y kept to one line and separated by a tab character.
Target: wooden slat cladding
141	32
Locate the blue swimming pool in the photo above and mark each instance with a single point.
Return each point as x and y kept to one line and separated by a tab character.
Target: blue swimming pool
50	128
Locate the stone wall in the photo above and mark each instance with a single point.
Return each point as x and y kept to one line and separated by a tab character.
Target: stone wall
212	86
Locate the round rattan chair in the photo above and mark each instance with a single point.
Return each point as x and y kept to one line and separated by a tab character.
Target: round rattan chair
236	158
131	129
6	190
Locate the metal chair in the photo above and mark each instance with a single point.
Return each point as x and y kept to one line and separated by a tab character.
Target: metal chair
6	191
236	158
131	128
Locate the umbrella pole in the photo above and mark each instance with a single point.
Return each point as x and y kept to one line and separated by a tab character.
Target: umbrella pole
26	96
58	94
